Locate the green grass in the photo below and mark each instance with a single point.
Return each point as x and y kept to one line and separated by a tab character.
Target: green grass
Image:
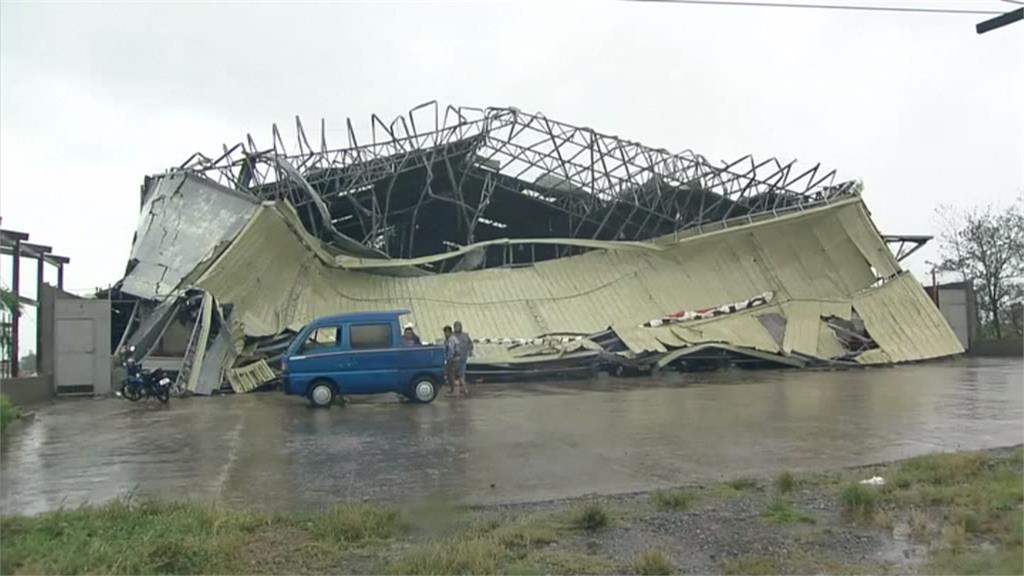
8	412
352	523
653	563
781	511
1007	560
858	500
676	499
751	565
510	546
149	537
785	483
978	496
741	484
528	532
127	538
590	517
462	556
564	562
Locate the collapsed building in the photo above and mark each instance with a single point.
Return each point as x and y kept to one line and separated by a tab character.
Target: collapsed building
558	247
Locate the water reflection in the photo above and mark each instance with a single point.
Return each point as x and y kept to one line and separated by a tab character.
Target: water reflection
509	442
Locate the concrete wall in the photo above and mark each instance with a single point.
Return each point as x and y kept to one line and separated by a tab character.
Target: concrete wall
955	304
27	390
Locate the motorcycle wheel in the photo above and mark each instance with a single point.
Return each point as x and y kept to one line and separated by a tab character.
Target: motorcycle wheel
163	394
131	392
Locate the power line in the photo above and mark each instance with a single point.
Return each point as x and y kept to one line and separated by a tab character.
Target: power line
824	6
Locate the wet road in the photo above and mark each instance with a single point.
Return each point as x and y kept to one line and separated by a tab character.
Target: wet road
511	442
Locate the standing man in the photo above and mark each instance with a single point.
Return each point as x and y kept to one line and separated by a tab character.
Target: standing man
463	349
449	359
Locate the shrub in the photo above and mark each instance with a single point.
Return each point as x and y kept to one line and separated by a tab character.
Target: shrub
785	483
858	499
590	517
8	412
653	563
782	512
672	499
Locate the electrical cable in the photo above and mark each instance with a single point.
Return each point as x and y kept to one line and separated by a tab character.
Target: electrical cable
754	3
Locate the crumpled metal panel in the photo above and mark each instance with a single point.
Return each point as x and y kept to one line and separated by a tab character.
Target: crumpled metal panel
220	356
276	281
904	323
183	219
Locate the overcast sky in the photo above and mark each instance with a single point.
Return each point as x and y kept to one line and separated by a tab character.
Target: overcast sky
95	96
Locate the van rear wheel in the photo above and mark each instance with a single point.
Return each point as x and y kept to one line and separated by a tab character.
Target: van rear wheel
321	394
423	390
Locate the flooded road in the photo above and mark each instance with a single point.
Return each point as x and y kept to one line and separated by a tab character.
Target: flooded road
509	442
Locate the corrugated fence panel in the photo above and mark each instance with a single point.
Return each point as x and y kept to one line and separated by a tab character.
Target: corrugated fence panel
904	322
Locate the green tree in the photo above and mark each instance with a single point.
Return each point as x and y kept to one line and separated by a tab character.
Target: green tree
9	306
986	247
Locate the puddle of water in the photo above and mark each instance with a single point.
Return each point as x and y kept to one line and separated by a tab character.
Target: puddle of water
513	442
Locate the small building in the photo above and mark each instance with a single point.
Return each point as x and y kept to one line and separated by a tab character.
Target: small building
958	304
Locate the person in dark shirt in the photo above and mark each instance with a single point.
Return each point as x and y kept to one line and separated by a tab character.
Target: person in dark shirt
463	349
449	359
409	337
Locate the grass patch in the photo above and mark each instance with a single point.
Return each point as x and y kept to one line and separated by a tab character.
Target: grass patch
562	562
528	532
781	511
463	556
858	500
1009	560
785	482
975	500
351	523
653	563
128	537
742	484
752	565
491	545
677	499
590	517
8	412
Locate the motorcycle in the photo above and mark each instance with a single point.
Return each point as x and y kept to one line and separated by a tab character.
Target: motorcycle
142	383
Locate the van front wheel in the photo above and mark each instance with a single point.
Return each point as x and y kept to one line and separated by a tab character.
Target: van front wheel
423	390
321	394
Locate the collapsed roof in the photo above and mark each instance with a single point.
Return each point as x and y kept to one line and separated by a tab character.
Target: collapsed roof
523	228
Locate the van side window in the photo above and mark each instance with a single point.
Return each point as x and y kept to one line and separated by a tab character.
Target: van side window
323	337
369	336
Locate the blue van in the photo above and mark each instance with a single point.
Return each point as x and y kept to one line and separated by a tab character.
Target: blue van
361	353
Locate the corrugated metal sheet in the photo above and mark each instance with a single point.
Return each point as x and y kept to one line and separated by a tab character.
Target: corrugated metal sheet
803	320
183	220
904	322
815	262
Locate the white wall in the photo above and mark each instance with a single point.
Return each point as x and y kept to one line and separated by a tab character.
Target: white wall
953	305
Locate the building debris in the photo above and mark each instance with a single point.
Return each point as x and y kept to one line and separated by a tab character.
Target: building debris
250	377
568	250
